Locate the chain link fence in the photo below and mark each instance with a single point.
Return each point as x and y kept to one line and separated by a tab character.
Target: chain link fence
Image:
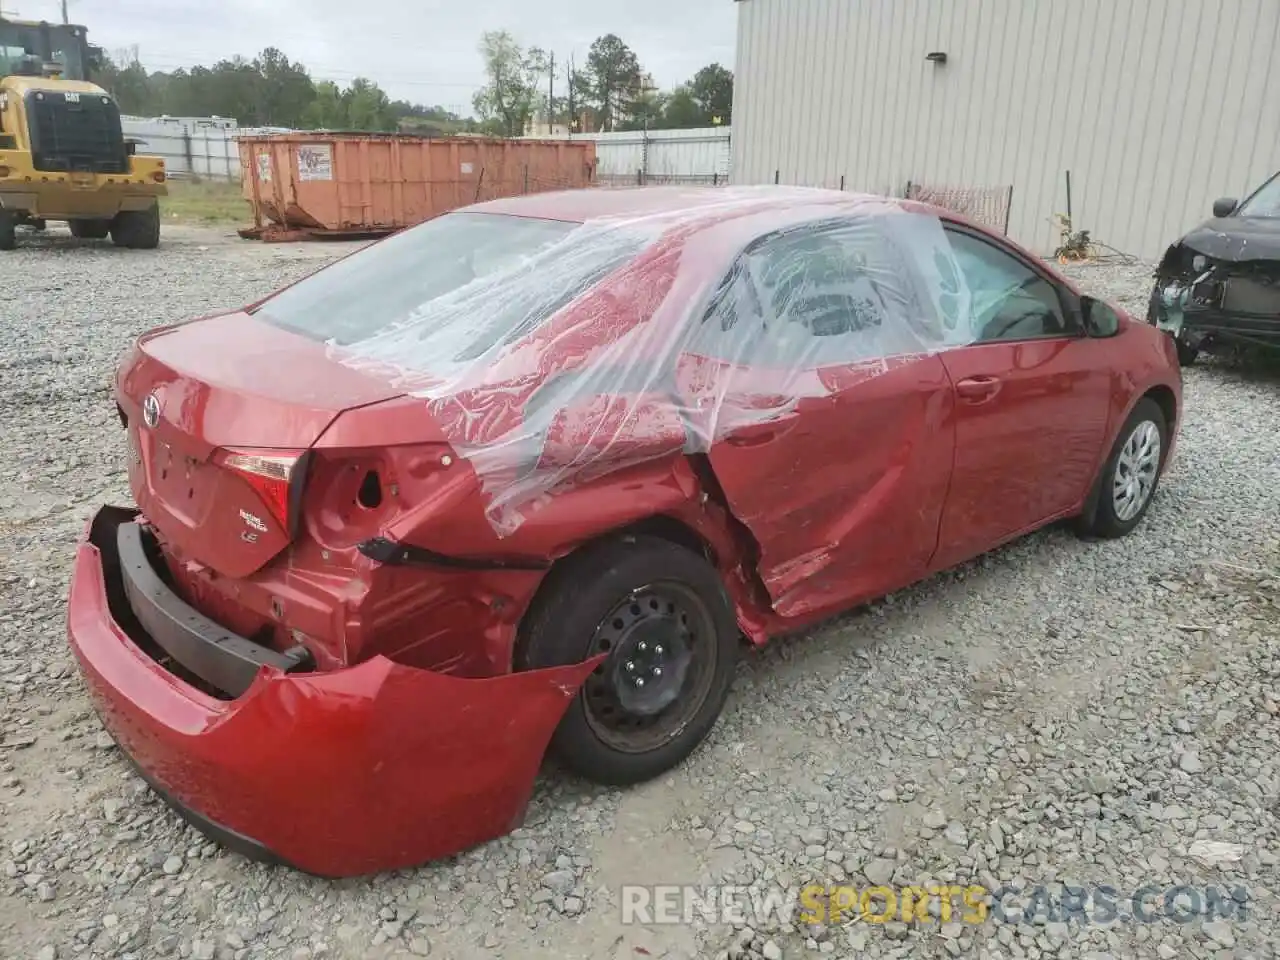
491	188
642	179
988	206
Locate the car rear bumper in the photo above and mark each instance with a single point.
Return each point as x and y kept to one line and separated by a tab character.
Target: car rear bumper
373	767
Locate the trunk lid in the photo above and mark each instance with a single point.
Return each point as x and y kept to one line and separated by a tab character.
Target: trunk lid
202	395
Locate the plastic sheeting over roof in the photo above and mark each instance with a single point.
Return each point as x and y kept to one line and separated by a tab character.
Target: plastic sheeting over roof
609	343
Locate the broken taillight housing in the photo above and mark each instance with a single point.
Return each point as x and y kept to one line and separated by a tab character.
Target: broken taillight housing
276	476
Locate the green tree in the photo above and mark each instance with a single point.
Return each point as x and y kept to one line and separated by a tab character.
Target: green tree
128	82
269	90
712	89
327	110
646	111
610	81
368	107
286	89
682	111
514	74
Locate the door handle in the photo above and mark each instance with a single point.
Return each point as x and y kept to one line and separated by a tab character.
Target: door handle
978	389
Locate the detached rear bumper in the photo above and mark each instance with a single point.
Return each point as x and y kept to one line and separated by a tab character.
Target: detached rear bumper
374	767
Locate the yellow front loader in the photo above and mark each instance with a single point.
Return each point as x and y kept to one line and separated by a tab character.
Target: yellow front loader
63	154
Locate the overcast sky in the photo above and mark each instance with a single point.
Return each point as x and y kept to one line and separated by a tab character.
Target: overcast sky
423	51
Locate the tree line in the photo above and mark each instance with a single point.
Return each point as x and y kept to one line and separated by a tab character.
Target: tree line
524	85
610	92
269	91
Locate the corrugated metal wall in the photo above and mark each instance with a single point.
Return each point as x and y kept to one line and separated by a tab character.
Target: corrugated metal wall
1157	107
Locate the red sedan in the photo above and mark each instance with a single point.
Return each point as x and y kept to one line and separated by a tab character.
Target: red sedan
524	475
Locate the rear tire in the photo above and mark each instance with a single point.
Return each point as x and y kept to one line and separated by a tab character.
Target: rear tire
137	229
1131	475
662	614
89	229
8	230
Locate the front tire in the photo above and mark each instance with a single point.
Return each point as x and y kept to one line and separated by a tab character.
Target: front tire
661	613
1186	352
1129	478
137	229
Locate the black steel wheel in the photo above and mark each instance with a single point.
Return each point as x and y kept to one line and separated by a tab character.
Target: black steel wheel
660	614
660	667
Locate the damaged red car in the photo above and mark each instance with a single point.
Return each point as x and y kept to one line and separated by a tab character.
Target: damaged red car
524	476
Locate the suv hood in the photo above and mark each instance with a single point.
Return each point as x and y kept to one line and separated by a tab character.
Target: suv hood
1236	239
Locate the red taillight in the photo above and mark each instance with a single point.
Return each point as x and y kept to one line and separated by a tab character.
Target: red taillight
269	472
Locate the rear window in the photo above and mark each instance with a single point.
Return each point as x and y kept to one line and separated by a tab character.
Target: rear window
463	282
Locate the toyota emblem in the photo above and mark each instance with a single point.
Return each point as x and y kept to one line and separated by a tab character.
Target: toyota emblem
151	410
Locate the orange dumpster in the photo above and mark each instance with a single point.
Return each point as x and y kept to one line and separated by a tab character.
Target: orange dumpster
323	184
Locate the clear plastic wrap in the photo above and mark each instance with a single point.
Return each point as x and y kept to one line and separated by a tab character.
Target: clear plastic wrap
598	346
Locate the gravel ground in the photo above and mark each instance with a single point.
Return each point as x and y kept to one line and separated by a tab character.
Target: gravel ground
1058	711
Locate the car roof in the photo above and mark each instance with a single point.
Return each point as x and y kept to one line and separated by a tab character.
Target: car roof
698	203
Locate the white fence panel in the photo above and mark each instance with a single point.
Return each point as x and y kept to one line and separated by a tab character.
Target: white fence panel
205	147
201	147
700	155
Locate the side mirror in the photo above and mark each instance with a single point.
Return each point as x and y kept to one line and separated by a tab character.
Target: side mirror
1225	206
1100	318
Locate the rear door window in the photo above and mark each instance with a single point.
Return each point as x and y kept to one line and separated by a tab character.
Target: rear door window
822	294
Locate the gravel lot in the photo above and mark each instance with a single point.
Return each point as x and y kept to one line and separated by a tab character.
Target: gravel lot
1055	712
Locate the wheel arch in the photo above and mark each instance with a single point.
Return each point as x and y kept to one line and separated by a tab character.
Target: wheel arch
1164	398
659	526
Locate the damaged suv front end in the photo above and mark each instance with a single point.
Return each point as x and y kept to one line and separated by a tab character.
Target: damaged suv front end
1219	286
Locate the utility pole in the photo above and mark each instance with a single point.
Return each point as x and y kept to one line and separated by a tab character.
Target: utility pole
551	95
65	18
572	115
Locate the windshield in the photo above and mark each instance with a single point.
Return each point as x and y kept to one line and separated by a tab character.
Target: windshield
452	288
1264	203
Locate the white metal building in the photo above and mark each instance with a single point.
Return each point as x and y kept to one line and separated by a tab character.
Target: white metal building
1156	107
